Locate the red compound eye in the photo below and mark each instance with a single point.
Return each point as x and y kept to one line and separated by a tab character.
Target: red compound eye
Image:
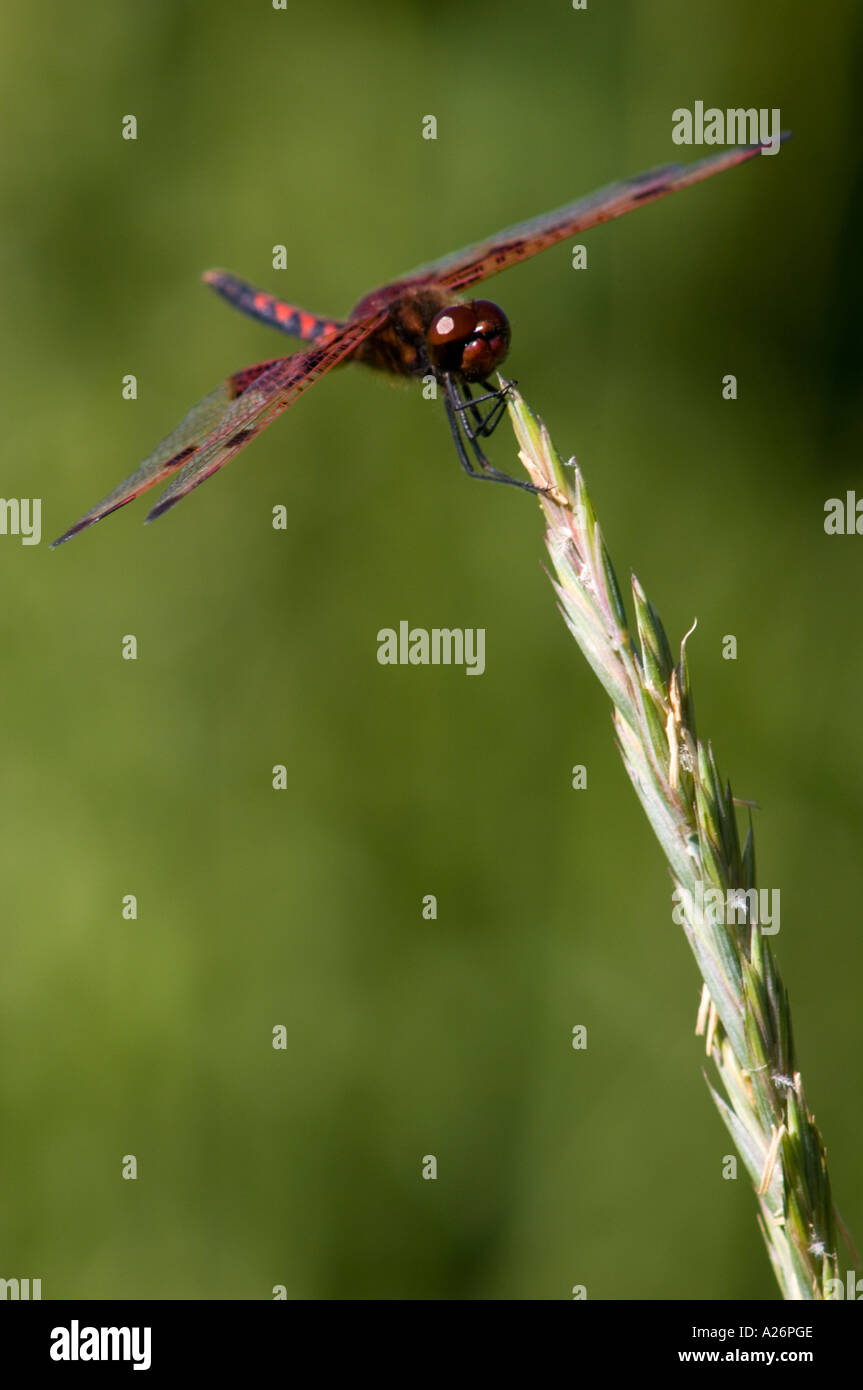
471	339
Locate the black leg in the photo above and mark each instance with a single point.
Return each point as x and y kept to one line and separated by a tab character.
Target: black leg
456	408
456	434
483	425
494	415
464	402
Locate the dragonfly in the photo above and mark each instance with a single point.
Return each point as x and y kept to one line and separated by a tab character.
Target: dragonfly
417	326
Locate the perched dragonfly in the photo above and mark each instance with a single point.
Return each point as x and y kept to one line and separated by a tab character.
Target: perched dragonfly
412	327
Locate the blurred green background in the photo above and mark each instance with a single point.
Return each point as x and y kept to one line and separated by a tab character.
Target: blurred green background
257	647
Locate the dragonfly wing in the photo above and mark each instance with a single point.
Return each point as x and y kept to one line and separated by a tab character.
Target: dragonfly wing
168	456
222	423
261	402
299	323
514	244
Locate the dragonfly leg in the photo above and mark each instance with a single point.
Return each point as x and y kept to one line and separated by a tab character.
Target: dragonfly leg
456	408
483	425
498	410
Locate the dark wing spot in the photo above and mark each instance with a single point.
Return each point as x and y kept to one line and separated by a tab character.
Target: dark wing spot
179	458
242	380
240	438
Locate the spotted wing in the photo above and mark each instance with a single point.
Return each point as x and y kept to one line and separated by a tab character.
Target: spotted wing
288	318
224	422
514	244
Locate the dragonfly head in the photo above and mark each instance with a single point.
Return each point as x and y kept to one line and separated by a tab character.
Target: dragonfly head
471	339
